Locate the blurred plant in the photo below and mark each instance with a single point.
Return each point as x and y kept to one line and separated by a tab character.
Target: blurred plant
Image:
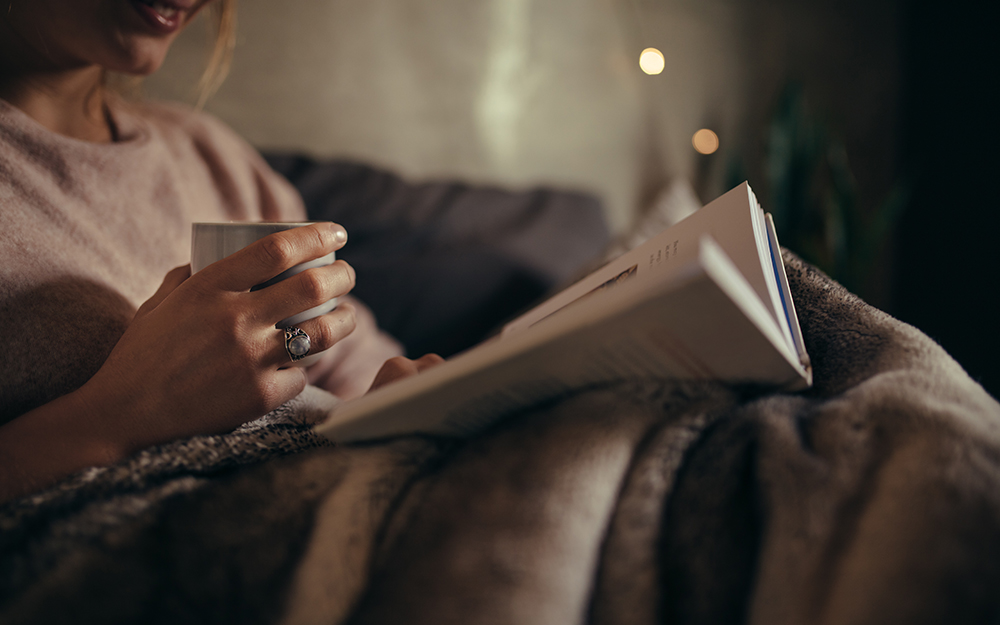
812	194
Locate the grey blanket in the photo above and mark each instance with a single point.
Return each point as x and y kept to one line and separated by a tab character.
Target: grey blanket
872	498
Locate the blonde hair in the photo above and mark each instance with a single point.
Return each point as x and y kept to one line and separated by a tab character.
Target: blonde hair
223	16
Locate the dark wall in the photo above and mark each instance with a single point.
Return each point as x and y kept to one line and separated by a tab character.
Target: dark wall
948	256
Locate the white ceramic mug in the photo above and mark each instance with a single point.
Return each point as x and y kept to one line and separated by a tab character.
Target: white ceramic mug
211	242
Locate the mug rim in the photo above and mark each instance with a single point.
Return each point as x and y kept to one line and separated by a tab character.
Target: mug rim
255	223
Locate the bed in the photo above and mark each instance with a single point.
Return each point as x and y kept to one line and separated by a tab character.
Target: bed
874	497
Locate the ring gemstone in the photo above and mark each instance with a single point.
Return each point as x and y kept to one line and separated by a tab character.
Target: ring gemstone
299	345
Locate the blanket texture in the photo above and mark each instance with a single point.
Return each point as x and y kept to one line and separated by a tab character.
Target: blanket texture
872	498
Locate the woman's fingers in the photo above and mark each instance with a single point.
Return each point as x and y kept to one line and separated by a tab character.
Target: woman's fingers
428	361
302	291
275	253
399	367
324	332
394	369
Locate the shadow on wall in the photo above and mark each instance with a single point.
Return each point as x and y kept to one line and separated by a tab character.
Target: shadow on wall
492	91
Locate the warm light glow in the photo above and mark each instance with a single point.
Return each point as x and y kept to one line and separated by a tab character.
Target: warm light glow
705	141
651	61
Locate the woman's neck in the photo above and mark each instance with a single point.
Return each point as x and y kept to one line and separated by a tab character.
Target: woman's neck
65	97
70	103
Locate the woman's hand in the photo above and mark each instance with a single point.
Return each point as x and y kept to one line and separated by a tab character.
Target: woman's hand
203	354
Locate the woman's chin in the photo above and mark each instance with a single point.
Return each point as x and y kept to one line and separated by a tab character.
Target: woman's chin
145	70
139	62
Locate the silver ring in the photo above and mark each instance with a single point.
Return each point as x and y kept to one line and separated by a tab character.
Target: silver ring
297	343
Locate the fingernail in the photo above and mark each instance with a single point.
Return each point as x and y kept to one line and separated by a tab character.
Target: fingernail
340	234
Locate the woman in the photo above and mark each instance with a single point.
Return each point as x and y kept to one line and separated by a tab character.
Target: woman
96	200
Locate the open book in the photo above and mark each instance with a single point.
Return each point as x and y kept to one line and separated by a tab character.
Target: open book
706	299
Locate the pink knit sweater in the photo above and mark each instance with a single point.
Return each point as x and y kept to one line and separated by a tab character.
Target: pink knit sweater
87	232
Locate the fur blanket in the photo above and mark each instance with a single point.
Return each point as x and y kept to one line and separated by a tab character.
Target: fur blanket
872	498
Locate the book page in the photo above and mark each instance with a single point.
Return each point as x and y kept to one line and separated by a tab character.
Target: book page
703	323
732	221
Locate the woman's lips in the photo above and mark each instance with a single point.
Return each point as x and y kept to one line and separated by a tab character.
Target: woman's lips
162	17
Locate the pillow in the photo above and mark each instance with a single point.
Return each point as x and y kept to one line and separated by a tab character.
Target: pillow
443	263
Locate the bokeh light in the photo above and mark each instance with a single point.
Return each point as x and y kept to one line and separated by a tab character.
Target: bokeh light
705	141
651	61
